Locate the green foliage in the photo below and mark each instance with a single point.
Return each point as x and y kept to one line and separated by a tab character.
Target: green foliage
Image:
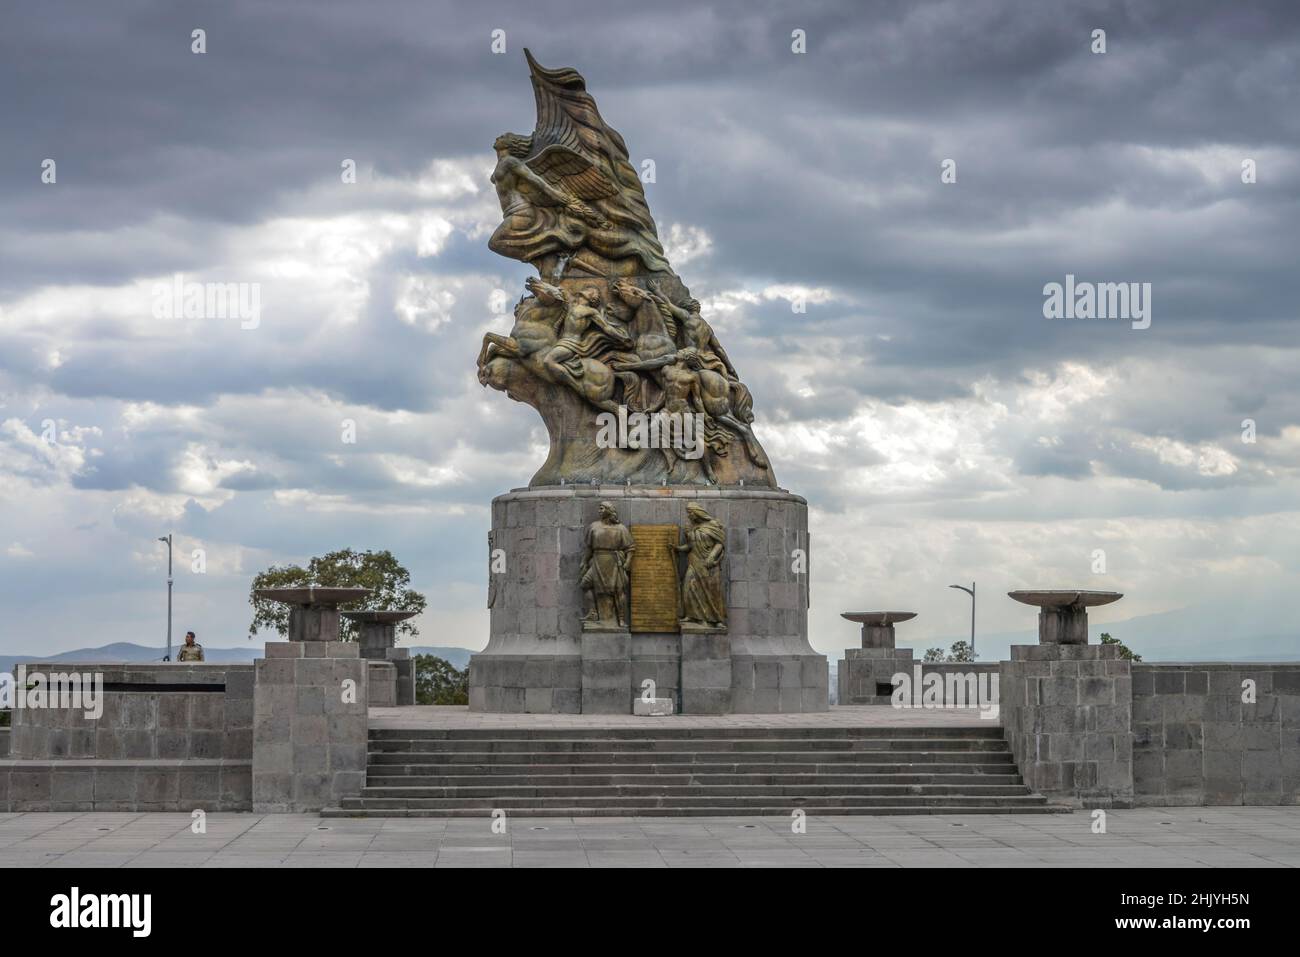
1124	651
961	651
379	571
437	682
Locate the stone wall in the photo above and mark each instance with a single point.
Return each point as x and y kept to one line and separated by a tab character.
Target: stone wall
1196	742
74	784
145	715
1092	729
171	737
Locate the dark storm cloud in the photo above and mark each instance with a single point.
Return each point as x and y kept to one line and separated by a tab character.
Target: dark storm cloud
817	172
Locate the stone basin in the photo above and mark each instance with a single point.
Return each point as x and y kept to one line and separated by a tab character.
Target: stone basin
379	617
1063	598
876	618
312	595
1063	613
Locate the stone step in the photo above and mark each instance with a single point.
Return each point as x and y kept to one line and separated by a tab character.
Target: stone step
735	758
720	803
404	746
656	728
695	790
809	768
783	812
680	780
660	769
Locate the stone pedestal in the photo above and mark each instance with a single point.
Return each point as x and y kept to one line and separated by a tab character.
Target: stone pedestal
1063	615
309	725
534	658
706	672
405	665
313	609
381	683
377	636
865	674
606	672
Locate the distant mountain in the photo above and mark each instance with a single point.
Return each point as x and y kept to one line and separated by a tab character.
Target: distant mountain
1211	632
125	651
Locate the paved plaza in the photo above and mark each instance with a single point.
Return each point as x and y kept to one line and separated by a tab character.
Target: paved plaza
1148	837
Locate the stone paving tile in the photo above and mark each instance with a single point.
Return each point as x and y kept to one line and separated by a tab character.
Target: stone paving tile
646	858
398	859
168	859
323	859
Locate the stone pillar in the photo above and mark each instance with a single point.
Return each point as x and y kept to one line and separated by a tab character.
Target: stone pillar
309	707
377	636
314	623
1067	706
309	725
381	684
866	674
606	672
706	671
405	665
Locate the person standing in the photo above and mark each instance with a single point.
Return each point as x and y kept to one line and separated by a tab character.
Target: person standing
191	650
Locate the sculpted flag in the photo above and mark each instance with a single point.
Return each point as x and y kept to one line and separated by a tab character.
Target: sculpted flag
607	326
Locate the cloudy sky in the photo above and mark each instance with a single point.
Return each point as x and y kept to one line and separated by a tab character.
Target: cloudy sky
940	427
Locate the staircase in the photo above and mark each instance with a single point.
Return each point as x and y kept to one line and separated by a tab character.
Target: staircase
591	772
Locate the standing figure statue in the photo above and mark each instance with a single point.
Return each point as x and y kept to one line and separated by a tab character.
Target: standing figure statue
604	571
702	602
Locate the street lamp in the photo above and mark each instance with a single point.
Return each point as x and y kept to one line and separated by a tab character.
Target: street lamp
970	591
168	540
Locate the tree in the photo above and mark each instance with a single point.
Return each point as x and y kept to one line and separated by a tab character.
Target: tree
1124	651
961	651
380	571
437	682
933	654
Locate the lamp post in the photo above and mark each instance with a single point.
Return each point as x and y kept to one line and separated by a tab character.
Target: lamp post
970	591
168	540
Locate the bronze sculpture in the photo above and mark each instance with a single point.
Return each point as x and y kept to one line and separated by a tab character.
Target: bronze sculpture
608	324
703	605
604	572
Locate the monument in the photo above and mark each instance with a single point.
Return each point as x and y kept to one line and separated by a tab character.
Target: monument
653	551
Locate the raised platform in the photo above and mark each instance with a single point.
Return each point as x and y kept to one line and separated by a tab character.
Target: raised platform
538	659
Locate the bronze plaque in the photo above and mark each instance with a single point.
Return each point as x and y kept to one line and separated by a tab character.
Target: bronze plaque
654	578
